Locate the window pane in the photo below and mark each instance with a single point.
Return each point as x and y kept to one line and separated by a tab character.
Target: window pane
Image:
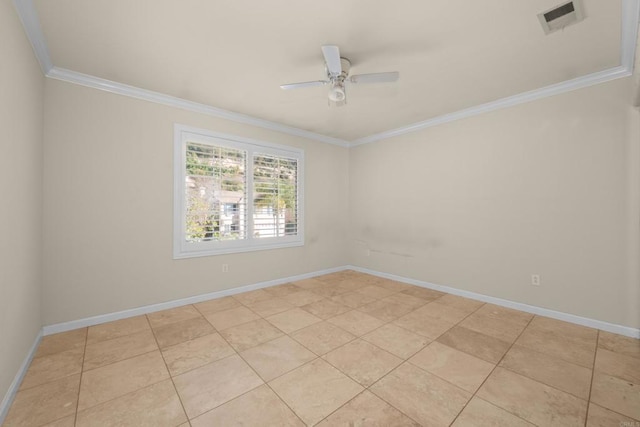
275	189
216	193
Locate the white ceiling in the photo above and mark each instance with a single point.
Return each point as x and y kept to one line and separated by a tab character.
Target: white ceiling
451	54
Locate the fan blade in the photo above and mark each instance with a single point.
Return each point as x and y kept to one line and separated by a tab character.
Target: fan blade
332	59
303	84
375	77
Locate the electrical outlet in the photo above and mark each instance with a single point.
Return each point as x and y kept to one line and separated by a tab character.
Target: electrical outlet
535	280
225	268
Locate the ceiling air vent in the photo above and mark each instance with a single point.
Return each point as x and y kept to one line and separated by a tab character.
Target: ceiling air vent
561	16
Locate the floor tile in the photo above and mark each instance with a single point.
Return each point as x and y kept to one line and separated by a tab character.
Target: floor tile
350	285
444	312
315	390
338	276
186	330
618	365
619	344
356	323
232	317
396	340
616	394
252	297
116	329
422	396
366	409
322	337
456	367
195	353
393	285
259	407
375	291
309	284
532	401
292	320
353	299
424	325
325	308
498	322
423	293
601	417
480	413
69	421
156	405
302	297
549	370
269	307
328	291
461	303
105	352
274	358
573	343
216	305
545	376
45	403
53	367
476	344
405	299
385	310
211	385
173	315
120	378
250	334
362	361
63	341
565	328
282	290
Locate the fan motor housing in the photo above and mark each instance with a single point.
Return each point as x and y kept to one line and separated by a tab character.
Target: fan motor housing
346	66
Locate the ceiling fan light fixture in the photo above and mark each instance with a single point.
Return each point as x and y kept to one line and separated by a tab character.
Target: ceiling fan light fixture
337	93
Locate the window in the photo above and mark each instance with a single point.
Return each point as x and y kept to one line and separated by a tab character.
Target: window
233	194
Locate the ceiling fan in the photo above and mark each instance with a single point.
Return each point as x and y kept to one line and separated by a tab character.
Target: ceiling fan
338	76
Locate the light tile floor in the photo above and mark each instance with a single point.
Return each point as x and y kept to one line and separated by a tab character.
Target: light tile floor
342	349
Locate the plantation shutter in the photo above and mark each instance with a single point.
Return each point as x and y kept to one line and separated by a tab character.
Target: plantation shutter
215	188
275	196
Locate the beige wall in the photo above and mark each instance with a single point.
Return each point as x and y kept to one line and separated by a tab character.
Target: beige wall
108	207
21	102
549	187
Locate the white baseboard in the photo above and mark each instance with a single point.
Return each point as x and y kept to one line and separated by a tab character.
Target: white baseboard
103	318
109	317
17	380
571	318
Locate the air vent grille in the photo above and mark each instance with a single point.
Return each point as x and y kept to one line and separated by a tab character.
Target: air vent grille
561	16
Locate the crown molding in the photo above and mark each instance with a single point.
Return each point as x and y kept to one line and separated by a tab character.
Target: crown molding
172	101
629	32
521	98
29	17
629	36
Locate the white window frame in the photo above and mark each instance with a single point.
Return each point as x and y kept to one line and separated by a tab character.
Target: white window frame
184	249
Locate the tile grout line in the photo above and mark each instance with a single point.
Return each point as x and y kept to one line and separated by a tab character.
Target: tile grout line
259	376
50	381
167	368
84	355
308	362
407	361
247	363
593	374
491	373
367	388
356	337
